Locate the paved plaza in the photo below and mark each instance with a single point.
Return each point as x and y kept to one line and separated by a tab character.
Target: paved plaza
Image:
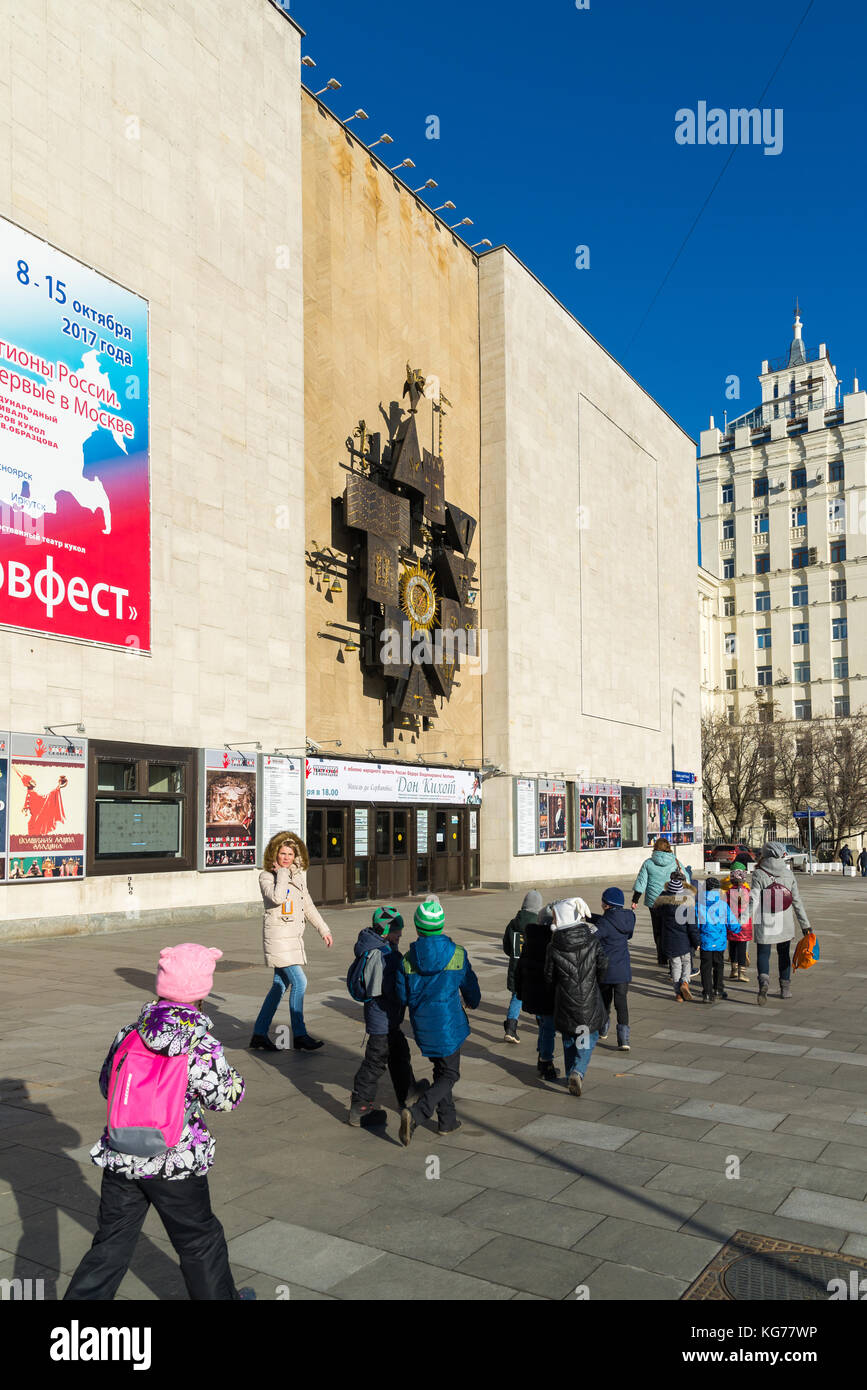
624	1191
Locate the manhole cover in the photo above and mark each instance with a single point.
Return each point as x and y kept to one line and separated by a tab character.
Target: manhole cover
752	1268
754	1278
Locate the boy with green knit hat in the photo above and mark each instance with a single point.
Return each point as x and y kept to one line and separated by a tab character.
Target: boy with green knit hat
434	977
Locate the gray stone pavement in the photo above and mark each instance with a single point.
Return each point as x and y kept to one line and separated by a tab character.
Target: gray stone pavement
624	1190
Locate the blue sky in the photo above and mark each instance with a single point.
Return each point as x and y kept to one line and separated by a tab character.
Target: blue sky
557	129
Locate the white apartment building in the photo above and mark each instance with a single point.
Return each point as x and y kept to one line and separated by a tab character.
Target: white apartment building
783	514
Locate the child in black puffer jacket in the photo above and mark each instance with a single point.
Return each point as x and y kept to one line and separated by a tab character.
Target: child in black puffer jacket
576	965
513	945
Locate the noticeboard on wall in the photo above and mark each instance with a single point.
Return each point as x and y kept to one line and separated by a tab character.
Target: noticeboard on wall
47	778
553	816
670	814
228	809
524	814
281	788
600	815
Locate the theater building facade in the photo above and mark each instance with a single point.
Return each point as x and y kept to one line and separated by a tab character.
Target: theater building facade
310	518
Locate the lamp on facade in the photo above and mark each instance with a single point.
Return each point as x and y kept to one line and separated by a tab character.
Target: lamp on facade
331	85
451	206
308	62
483	242
464	222
350	645
359	115
404	164
335	587
431	183
383	140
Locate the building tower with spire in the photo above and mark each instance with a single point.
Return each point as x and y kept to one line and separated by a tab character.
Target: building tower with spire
783	514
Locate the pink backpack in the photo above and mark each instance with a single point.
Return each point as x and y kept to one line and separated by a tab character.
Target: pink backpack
146	1099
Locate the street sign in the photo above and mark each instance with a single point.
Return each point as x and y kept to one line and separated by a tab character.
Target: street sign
812	815
682	776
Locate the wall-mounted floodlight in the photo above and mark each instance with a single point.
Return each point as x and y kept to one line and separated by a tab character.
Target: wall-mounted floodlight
308	62
484	242
383	140
330	86
431	183
359	115
450	206
464	222
404	164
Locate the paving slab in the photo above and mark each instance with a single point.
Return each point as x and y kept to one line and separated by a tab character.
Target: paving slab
647	1247
625	1283
742	1115
527	1216
315	1259
597	1136
398	1279
529	1265
719	1220
753	1193
636	1204
839	1212
404	1230
539	1179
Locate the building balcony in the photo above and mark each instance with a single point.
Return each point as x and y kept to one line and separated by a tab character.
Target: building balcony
798	533
837	527
727	547
761	541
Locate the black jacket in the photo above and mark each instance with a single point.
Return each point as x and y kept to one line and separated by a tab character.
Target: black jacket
576	965
615	927
536	996
678	932
513	942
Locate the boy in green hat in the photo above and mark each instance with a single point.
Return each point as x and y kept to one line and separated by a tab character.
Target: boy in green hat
377	961
434	977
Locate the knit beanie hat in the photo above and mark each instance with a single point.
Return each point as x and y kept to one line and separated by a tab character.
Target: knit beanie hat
740	866
675	884
387	919
613	897
773	850
185	973
532	902
711	883
429	917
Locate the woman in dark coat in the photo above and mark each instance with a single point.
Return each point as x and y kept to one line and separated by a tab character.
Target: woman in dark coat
513	945
535	994
576	965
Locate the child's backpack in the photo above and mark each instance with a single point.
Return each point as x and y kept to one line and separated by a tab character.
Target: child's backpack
777	898
806	952
355	981
146	1099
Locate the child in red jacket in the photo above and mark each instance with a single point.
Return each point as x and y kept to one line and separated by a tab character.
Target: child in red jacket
739	902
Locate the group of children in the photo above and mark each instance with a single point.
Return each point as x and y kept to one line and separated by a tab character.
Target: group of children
707	919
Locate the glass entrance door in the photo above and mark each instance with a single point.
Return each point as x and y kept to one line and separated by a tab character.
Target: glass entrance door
326	845
393	847
447	860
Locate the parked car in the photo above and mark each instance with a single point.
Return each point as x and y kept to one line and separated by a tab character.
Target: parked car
796	855
727	854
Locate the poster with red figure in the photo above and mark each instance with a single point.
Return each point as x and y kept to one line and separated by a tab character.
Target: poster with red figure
229	789
47	803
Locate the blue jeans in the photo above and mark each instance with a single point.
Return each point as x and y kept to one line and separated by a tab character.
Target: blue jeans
577	1058
289	977
514	1010
783	959
545	1045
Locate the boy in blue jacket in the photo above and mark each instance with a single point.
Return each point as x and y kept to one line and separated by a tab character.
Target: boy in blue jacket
434	976
383	1015
713	919
615	926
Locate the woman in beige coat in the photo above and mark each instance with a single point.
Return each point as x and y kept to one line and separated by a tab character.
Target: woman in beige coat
288	909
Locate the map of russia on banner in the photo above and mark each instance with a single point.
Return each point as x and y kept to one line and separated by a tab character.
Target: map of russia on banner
74	457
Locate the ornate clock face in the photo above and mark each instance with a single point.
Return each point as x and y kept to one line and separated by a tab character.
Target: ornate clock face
418	597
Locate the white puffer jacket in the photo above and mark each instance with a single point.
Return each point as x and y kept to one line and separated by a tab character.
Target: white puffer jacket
288	909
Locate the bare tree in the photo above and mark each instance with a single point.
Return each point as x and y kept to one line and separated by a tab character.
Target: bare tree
734	770
839	764
793	765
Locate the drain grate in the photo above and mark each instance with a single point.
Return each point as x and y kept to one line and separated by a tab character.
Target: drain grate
752	1268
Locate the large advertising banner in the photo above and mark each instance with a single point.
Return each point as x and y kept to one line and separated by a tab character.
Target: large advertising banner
281	783
229	791
600	815
4	800
74	479
553	820
47	806
334	779
670	814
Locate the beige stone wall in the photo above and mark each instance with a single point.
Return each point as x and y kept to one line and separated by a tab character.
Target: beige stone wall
201	216
589	549
385	283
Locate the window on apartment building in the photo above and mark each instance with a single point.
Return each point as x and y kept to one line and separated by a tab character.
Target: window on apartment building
800	558
766	713
729	606
728	569
839	629
763	564
799	595
731	644
799	516
760	487
841	706
838	552
728	493
836	471
799	477
761	523
838	590
728	531
730	711
731	680
803	709
763	638
801	634
141	809
802	672
841	668
763	674
763	600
